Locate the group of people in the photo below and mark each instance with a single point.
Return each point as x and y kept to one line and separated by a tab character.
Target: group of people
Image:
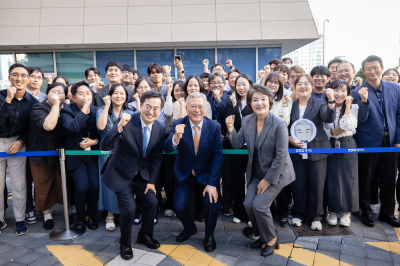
143	118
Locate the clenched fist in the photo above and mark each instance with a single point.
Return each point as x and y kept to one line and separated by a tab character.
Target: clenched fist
55	100
267	69
233	99
363	94
230	120
286	99
228	63
169	88
260	74
349	100
11	91
49	79
205	62
329	94
359	81
107	100
179	130
124	120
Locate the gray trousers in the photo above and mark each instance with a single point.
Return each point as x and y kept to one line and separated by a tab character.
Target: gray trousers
17	170
257	207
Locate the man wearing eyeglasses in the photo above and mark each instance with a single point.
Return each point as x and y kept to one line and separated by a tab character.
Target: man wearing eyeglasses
198	164
129	77
114	72
15	107
35	82
345	71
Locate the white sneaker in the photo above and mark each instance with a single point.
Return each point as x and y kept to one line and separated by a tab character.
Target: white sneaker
249	223
373	208
168	213
332	220
236	220
345	220
316	226
296	222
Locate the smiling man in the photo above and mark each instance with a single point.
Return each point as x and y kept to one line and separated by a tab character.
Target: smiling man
320	76
35	82
346	72
332	67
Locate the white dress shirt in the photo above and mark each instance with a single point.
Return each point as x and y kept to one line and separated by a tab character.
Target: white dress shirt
347	123
200	125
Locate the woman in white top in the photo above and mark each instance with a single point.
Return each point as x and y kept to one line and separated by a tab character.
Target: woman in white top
192	84
342	170
282	102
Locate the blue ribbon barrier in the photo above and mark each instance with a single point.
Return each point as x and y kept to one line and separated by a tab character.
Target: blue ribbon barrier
29	153
345	150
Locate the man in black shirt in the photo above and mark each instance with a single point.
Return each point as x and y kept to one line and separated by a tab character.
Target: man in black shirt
320	76
15	107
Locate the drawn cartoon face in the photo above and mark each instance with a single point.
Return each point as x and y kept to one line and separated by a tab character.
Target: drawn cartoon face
303	132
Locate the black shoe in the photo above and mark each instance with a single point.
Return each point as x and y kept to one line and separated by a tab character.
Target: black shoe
257	244
126	252
284	222
138	220
48	224
91	224
391	220
185	236
367	220
227	211
79	225
148	241
200	218
209	244
269	250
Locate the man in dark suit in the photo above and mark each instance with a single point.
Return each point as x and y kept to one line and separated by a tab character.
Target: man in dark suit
136	143
114	75
199	160
378	126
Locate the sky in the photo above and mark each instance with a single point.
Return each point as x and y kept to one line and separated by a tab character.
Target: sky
359	28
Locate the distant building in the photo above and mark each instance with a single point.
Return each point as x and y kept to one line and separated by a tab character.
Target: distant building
309	55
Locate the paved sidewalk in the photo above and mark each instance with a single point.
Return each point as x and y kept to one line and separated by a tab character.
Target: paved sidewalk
370	246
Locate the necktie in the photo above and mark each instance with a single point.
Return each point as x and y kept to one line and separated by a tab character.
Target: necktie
196	141
145	138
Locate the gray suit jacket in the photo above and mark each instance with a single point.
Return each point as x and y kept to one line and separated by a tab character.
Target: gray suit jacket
103	92
272	150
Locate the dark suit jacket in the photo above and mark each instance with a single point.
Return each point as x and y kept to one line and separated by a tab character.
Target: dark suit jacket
370	116
126	155
236	112
318	112
207	164
103	92
74	121
222	114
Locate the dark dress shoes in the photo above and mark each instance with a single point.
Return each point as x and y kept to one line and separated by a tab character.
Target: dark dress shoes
148	241
126	252
48	224
390	220
257	244
209	244
367	220
284	222
227	211
185	235
269	250
79	225
91	224
200	218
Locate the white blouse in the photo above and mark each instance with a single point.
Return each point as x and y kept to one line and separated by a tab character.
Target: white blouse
347	123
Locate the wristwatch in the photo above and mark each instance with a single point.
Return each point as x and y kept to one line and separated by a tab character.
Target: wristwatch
332	101
183	71
232	67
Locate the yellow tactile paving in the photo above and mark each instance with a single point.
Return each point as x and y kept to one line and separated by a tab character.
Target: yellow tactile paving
284	250
302	253
321	258
80	256
183	252
216	263
167	249
201	257
92	262
69	263
73	255
65	251
194	263
381	245
394	247
303	261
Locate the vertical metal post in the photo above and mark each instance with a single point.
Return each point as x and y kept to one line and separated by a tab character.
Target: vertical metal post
66	233
323	45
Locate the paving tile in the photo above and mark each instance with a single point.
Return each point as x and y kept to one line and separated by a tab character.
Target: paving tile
357	251
354	240
201	257
46	261
232	250
357	231
239	241
111	251
284	250
378	254
299	262
274	259
66	251
101	258
329	246
225	260
5	248
371	262
348	260
392	238
307	245
183	252
390	231
394	247
331	238
30	257
301	253
327	257
80	256
15	253
118	261
252	255
170	262
375	234
246	262
396	257
96	247
151	259
311	239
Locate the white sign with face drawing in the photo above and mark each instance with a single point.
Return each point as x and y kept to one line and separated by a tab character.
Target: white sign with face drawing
303	130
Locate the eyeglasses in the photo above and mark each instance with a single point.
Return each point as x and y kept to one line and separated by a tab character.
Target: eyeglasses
305	84
127	72
273	82
344	71
148	107
374	69
194	107
143	88
15	75
36	77
216	83
218	70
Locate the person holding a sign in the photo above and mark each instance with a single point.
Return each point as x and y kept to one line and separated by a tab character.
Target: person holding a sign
269	167
307	131
342	175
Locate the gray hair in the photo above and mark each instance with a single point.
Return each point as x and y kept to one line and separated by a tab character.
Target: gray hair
196	95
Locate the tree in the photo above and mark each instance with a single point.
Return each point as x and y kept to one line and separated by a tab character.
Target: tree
361	75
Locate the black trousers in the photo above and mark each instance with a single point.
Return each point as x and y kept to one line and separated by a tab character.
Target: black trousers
308	189
139	205
127	208
168	178
386	164
239	165
227	180
282	202
29	197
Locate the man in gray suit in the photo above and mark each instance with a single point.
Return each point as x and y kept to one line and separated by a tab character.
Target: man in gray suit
269	168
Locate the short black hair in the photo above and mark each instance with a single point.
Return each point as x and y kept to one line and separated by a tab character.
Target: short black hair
287	58
36	68
336	85
55	84
344	62
135	72
205	75
157	66
335	60
213	76
198	80
262	90
111	92
181	83
94	69
275	61
282	67
61	77
152	94
76	85
372	58
140	79
320	70
127	68
217	64
234	70
113	63
15	66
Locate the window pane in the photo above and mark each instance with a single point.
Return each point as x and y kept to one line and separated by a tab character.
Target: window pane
193	60
103	57
6	60
73	64
42	60
266	54
244	59
145	57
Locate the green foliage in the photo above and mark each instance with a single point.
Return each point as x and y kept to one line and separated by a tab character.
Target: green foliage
361	75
